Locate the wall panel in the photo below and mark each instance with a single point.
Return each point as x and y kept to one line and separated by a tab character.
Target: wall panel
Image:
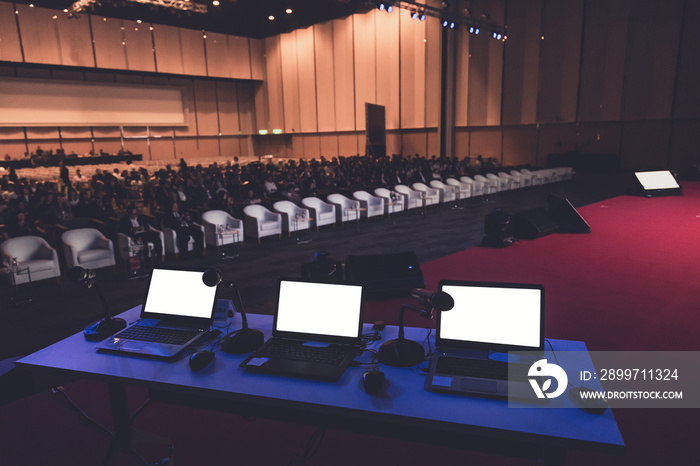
603	60
412	56
238	60
75	41
136	146
273	84
487	142
9	36
11	133
193	57
139	47
307	80
324	79
79	147
347	144
207	117
521	62
75	133
555	139
432	143
685	141
163	149
645	145
188	86
462	143
168	49
687	103
290	82
364	46
108	40
387	76
15	149
246	106
651	59
462	61
257	58
415	142
519	145
343	66
230	147
227	96
393	143
218	57
329	145
432	70
38	31
599	138
312	146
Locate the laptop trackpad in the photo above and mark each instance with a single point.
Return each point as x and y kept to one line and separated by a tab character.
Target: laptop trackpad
475	385
133	346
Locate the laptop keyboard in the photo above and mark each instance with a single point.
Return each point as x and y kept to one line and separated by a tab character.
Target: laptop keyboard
168	336
482	368
283	349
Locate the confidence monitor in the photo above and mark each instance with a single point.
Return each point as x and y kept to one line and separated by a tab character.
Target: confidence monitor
658	183
570	221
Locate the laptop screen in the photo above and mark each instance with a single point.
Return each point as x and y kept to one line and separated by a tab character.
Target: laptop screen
180	294
319	309
495	316
662	179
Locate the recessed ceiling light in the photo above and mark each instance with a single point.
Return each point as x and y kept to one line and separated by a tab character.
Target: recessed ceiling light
216	3
271	18
288	11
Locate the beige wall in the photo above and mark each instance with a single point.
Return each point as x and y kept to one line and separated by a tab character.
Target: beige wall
584	75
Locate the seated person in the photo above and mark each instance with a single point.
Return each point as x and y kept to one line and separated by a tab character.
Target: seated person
185	229
139	228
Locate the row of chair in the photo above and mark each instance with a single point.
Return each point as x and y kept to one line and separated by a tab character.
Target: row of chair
288	217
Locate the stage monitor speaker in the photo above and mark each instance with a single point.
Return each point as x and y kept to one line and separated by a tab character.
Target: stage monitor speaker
566	214
385	275
657	183
534	223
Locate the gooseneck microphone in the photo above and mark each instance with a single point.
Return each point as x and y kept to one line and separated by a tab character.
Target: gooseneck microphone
239	341
402	352
107	326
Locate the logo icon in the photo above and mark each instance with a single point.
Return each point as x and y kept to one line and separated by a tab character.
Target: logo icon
542	369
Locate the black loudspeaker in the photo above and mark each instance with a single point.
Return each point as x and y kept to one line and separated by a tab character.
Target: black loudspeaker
566	214
534	223
385	275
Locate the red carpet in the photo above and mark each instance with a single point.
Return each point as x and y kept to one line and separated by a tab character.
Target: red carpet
632	284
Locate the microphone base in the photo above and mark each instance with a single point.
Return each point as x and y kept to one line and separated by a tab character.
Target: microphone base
103	329
242	341
401	353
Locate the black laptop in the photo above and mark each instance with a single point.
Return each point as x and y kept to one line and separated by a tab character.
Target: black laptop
178	310
473	339
316	333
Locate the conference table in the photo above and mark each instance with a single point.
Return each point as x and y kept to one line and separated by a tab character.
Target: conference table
403	409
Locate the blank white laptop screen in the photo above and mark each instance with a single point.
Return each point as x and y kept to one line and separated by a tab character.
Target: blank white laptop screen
505	316
179	293
319	308
662	179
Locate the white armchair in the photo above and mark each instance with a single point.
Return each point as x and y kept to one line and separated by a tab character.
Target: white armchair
431	195
503	184
525	180
88	248
260	222
477	186
537	176
490	186
346	209
322	212
170	244
393	201
294	218
126	245
412	198
373	205
220	228
35	258
513	181
464	190
448	193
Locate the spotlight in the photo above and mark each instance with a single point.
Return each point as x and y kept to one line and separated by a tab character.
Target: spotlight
444	23
389	8
476	31
216	3
452	25
381	7
422	17
271	18
414	14
471	29
288	11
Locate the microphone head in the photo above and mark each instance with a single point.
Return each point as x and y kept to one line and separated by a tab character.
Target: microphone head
442	301
212	277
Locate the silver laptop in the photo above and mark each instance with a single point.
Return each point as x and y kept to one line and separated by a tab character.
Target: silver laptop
316	332
178	310
473	339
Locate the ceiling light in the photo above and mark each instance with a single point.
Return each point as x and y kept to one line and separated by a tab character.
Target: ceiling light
271	18
288	11
216	3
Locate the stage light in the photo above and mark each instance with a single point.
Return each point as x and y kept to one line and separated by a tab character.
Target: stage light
414	14
288	11
389	8
262	132
452	25
422	17
444	23
276	131
271	18
216	3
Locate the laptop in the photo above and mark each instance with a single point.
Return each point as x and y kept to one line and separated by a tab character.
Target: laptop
178	310
316	330
473	339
